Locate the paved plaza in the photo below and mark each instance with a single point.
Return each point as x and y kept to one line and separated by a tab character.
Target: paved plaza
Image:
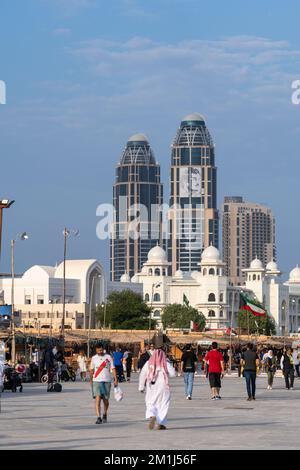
39	420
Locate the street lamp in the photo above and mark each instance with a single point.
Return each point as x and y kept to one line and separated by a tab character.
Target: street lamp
21	237
103	305
96	276
66	233
156	286
4	204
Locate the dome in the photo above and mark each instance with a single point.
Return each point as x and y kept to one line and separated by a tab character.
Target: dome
157	255
272	266
179	274
125	278
135	279
138	138
256	264
295	274
210	254
193	117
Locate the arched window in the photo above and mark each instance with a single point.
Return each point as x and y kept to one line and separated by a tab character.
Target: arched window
156	297
258	277
156	313
211	271
204	272
221	297
221	313
211	313
147	298
254	277
211	297
218	271
157	272
150	272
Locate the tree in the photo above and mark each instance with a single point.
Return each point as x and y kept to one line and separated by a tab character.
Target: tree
262	325
180	316
125	310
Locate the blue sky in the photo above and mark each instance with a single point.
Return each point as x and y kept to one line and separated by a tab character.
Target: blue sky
84	75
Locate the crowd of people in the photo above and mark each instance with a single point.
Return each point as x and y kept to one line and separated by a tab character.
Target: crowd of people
156	365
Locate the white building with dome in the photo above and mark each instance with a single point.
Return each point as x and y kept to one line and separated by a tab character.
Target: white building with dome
211	292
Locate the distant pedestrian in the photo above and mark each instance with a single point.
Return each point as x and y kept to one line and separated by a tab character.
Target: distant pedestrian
118	358
188	367
250	363
128	358
296	359
82	365
144	357
102	373
287	366
271	367
155	377
215	362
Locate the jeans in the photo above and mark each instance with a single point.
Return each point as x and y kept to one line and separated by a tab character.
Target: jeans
289	378
120	373
189	383
297	370
250	376
270	378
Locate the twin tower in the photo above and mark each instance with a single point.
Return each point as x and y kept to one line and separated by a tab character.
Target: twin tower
188	224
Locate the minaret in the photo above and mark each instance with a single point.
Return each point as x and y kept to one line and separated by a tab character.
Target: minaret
137	197
194	222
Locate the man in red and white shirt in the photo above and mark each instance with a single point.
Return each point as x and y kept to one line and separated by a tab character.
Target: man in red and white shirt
215	362
102	373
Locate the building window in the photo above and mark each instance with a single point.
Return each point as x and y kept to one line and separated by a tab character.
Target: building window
221	313
254	277
156	297
156	314
157	272
147	298
150	272
40	299
211	314
27	299
211	271
204	272
211	297
221	297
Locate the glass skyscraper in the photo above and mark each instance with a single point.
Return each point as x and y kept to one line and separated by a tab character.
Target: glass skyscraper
194	222
137	199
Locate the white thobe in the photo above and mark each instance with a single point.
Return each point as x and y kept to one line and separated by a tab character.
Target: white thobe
158	394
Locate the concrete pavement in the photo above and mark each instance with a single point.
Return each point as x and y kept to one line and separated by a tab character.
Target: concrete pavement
39	420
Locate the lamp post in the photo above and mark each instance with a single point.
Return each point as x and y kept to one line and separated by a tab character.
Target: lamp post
51	301
103	305
22	237
4	204
96	276
66	233
156	286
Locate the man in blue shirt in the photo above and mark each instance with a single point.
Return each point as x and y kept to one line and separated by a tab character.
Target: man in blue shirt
118	357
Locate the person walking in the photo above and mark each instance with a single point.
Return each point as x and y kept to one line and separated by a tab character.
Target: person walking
82	365
49	365
271	367
128	357
250	363
155	377
118	358
215	361
188	368
102	373
287	366
296	359
144	357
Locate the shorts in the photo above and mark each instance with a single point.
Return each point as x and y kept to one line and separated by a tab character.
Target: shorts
102	389
214	379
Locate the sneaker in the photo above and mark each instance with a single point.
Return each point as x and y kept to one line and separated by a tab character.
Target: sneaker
253	398
99	421
213	398
218	397
292	388
104	418
249	398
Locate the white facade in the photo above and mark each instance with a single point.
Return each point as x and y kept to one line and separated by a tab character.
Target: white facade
211	292
38	294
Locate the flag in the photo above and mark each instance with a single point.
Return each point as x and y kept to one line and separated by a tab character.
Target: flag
186	301
250	305
194	326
